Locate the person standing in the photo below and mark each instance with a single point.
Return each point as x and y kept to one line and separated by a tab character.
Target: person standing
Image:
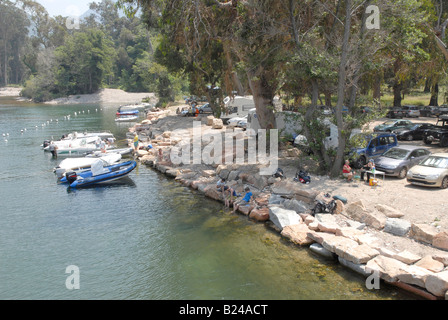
53	149
135	142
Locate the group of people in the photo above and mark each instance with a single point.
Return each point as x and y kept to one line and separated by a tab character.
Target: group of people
366	170
230	196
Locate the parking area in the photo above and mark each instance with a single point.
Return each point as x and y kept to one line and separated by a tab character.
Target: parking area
434	148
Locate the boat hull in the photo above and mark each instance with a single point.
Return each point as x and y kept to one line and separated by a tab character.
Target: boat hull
114	172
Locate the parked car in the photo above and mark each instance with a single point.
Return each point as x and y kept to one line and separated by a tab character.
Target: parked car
396	113
370	146
429	111
443	109
411	111
438	133
412	132
390	125
206	108
431	172
233	122
398	160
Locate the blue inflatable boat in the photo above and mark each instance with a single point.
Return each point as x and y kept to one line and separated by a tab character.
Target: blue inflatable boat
98	174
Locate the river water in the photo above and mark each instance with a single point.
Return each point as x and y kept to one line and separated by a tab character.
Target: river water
145	237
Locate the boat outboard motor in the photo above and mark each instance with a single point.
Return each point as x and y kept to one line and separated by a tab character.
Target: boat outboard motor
46	143
71	177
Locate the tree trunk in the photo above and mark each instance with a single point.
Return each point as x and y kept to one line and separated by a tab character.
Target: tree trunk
434	101
263	95
377	87
397	87
236	82
337	165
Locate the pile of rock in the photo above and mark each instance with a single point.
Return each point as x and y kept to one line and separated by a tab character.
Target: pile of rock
350	235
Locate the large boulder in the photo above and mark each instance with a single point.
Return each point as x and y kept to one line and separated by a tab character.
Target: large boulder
296	205
297	233
437	283
430	264
440	240
414	275
389	211
282	217
294	190
396	226
423	232
388	268
357	211
217	124
260	214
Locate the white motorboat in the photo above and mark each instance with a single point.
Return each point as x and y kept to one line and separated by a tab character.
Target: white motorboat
126	118
80	164
122	151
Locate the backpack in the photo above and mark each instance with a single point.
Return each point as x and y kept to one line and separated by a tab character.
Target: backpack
303	177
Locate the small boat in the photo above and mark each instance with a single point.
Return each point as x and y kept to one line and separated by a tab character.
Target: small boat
127	110
122	151
82	164
126	117
99	174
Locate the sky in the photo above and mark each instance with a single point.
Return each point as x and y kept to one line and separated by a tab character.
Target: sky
66	7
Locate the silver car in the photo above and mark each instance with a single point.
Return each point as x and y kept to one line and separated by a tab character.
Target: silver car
398	160
431	172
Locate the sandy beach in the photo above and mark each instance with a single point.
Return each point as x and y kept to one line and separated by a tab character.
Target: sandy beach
10	92
115	96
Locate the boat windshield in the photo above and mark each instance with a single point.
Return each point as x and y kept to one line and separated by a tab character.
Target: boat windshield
396	153
435	162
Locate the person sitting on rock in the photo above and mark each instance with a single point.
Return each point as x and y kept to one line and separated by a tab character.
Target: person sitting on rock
246	201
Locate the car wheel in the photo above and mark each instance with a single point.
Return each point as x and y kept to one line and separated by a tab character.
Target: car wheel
403	172
444	184
426	141
201	111
409	137
444	142
361	162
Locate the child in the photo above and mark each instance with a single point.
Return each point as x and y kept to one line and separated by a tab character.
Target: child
245	201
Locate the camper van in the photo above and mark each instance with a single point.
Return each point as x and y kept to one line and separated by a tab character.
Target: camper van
238	106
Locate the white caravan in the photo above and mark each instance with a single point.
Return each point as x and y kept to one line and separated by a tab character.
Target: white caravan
238	106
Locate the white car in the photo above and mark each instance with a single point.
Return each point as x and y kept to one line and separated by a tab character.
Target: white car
233	122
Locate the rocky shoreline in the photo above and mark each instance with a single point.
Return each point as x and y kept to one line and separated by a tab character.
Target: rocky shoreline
377	242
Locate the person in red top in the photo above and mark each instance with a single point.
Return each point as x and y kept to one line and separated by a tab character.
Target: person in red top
347	171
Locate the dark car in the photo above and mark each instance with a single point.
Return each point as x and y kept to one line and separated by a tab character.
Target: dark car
396	113
391	125
412	132
398	160
438	133
429	111
370	146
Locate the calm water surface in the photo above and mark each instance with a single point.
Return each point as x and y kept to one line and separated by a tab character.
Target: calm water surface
145	237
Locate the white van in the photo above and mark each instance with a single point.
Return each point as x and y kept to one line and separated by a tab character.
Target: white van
238	106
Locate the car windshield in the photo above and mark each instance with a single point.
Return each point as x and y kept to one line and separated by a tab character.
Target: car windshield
435	162
388	123
396	153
